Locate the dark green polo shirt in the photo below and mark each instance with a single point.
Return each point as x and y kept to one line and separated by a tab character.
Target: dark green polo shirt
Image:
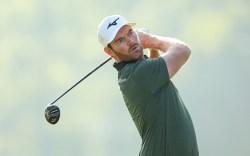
155	105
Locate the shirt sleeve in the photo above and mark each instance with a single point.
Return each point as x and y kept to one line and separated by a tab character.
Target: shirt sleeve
152	74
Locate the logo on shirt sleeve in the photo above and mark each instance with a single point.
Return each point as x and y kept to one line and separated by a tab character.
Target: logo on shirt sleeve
122	81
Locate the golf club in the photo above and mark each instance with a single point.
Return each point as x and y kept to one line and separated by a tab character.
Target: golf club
52	112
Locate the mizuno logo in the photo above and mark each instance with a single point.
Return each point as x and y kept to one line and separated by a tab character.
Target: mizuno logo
113	23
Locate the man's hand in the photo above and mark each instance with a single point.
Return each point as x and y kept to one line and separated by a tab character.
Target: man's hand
143	35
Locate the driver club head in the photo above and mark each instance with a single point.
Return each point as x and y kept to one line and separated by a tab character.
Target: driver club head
52	114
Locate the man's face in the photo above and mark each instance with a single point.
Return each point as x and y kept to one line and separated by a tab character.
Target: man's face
126	45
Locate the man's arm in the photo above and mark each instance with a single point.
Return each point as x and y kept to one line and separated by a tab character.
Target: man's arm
153	53
175	52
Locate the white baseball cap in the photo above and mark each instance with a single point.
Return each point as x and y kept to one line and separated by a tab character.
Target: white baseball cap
109	27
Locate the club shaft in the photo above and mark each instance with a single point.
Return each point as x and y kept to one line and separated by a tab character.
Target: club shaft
81	80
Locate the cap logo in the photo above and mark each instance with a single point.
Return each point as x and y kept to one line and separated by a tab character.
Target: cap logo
113	23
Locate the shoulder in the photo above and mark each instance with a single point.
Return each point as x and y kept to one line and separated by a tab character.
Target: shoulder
154	64
144	67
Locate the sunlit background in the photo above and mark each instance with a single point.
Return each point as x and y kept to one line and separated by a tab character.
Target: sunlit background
48	45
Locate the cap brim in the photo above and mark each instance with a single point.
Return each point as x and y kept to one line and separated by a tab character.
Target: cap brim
131	24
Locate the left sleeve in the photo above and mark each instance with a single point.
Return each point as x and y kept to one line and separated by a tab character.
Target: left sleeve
152	74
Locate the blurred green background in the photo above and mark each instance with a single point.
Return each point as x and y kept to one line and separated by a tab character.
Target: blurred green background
48	45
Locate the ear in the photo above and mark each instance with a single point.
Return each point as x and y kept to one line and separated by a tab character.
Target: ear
111	53
108	51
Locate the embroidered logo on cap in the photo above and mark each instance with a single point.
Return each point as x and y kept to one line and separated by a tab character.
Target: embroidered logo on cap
113	23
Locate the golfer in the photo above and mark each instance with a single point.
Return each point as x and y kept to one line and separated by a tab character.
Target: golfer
154	103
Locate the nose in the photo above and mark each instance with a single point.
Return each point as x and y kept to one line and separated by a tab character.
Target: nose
130	41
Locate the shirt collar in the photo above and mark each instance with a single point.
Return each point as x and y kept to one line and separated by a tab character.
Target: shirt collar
119	65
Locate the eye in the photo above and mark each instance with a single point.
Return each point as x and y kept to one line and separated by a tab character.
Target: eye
130	32
119	41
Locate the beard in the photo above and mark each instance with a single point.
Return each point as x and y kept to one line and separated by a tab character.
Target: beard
134	52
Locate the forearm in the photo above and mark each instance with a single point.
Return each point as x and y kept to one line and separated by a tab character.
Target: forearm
166	45
176	52
161	43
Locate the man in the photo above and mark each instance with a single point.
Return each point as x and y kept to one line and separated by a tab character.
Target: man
154	103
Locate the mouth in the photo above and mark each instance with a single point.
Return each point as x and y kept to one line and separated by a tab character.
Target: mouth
134	47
